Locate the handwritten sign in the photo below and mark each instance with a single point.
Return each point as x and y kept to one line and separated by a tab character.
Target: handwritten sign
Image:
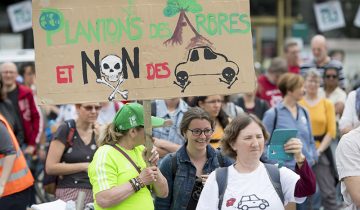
88	50
20	16
329	15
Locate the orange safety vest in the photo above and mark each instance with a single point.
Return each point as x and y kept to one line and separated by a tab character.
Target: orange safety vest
20	177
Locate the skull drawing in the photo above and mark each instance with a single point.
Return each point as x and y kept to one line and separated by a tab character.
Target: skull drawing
182	77
111	67
228	74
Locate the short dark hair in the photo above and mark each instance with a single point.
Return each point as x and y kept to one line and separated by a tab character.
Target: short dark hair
278	65
232	131
192	114
24	66
289	82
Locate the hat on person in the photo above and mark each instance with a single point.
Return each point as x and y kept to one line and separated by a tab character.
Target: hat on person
131	115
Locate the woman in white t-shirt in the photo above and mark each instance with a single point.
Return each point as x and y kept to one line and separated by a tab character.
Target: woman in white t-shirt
248	182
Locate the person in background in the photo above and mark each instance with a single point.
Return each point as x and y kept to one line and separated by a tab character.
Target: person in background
8	111
27	72
230	108
322	60
169	139
323	126
15	176
23	101
187	170
69	158
288	114
267	89
118	172
332	91
337	54
244	140
348	165
108	111
252	104
351	114
213	105
292	55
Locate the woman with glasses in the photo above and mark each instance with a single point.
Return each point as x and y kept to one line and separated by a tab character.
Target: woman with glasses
187	170
323	126
71	151
213	106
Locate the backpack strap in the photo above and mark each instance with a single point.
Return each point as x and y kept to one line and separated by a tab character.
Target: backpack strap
221	179
220	158
274	175
275	118
72	127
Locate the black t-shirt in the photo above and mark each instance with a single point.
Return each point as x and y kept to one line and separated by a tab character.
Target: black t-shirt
6	145
195	194
77	153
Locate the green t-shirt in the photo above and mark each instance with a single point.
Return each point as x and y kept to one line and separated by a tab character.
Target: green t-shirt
109	168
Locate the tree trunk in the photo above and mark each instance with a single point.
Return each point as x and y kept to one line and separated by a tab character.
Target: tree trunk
198	40
176	38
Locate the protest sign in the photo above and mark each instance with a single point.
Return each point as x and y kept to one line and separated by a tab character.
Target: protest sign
89	50
329	15
20	15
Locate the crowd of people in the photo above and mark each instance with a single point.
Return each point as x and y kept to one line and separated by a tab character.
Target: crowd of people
212	156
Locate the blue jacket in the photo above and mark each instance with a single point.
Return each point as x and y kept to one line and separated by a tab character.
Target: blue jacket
185	176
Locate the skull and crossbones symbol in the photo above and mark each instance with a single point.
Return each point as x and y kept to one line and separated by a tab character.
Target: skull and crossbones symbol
228	74
111	71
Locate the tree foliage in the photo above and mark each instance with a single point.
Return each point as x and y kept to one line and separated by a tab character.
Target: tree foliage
175	6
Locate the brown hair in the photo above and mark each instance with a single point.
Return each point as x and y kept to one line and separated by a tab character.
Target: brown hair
192	114
232	131
289	82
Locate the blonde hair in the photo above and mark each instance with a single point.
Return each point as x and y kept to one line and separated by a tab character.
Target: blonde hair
108	135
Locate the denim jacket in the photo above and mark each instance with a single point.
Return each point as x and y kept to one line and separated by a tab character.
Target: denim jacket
185	176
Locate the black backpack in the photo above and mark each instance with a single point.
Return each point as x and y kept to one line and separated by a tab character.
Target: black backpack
272	171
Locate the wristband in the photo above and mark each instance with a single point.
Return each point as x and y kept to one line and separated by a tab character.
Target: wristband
142	185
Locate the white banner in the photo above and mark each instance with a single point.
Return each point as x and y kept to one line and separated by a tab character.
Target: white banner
20	16
329	15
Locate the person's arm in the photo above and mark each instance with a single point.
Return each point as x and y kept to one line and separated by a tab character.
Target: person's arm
165	147
55	167
306	185
345	123
352	184
166	170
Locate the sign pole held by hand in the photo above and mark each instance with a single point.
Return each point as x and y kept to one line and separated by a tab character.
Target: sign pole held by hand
148	130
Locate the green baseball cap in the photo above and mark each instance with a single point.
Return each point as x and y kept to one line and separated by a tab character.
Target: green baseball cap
131	115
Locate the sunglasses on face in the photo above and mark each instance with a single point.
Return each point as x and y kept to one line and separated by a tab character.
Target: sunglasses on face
331	76
89	108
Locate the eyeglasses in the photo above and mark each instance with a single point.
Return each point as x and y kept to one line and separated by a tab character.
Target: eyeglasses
198	132
89	108
214	101
333	76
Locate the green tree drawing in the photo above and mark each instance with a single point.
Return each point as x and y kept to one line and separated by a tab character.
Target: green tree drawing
174	7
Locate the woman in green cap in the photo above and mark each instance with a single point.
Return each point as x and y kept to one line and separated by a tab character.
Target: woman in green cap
118	172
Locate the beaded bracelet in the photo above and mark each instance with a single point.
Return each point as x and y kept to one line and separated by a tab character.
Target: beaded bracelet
135	184
132	185
140	181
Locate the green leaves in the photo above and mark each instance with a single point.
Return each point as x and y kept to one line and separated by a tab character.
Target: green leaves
171	10
175	6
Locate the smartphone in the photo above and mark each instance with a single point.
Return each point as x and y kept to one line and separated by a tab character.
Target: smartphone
279	137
